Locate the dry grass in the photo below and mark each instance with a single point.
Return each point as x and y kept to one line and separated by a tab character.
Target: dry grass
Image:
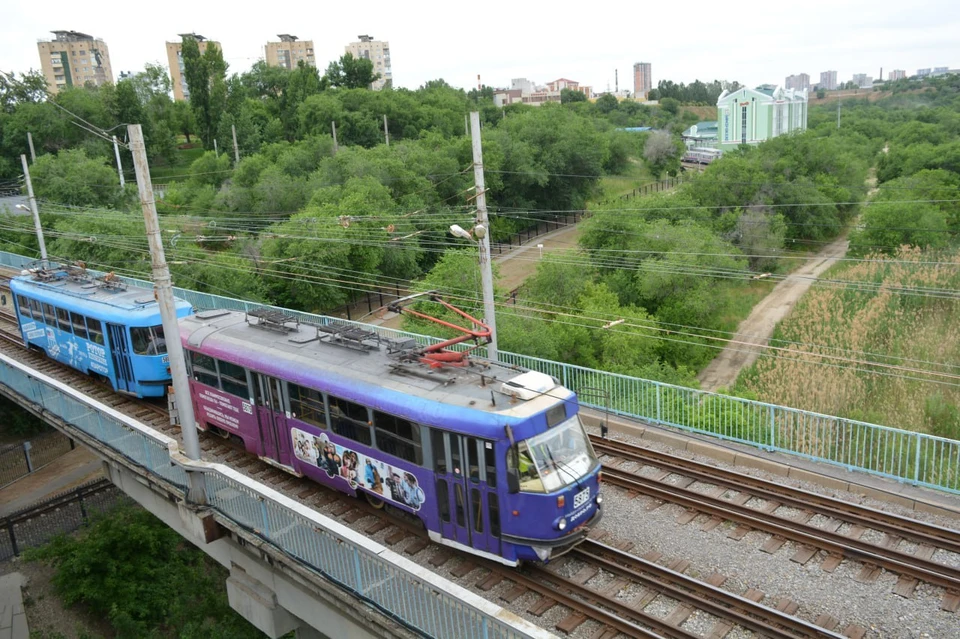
841	332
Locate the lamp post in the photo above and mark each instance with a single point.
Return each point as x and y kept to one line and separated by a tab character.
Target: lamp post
477	234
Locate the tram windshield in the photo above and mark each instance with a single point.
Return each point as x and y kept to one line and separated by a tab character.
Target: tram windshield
554	459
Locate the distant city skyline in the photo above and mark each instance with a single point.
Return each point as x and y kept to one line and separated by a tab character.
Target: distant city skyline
512	40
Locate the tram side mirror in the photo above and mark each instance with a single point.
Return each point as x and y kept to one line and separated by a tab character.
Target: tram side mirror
513	480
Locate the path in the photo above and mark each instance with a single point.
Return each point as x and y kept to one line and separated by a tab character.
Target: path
515	266
754	332
68	471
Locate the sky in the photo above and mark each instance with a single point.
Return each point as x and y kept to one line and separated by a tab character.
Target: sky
751	42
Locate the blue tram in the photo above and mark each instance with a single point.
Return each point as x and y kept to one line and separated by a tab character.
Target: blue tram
97	326
492	460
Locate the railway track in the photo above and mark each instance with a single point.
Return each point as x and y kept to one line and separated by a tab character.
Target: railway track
727	496
582	602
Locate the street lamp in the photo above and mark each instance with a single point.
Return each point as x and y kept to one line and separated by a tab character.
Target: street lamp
478	234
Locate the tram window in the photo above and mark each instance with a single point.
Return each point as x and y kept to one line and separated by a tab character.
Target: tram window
95	331
443	500
493	506
556	414
455	454
51	315
79	325
204	369
477	502
398	437
350	420
148	340
63	319
490	460
234	379
439	452
458	496
24	306
306	405
473	465
36	311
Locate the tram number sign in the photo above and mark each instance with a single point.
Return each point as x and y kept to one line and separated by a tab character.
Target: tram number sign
581	498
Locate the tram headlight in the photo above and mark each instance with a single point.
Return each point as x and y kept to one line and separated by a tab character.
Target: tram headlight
562	524
599	499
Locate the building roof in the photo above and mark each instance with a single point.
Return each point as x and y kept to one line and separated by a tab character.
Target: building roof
705	129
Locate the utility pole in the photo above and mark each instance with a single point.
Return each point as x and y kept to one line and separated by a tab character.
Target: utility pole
33	154
116	152
163	290
483	238
236	149
333	127
216	152
466	124
838	111
34	210
386	130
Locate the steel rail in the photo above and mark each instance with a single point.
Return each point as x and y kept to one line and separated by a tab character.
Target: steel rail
911	529
718	602
835	543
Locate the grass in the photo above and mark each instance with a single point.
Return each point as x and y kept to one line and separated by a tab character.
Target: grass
176	171
880	355
613	186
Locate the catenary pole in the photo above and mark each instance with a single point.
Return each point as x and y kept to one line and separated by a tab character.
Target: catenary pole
236	149
486	268
33	154
34	210
163	289
386	129
116	152
333	127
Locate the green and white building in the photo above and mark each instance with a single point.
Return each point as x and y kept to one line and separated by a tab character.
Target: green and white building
750	116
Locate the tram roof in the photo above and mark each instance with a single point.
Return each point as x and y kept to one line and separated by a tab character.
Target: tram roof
301	357
90	294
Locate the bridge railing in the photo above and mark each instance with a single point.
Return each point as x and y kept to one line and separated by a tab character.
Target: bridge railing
420	599
900	454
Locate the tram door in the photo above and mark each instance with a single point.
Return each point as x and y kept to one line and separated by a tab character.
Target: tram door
120	352
466	490
268	396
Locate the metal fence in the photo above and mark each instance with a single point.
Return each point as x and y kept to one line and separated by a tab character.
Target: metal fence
890	452
363	567
19	460
61	514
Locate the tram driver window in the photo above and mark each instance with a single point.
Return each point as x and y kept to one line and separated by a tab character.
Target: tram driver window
148	340
350	420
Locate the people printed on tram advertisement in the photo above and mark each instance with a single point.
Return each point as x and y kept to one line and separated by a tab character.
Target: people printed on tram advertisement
358	470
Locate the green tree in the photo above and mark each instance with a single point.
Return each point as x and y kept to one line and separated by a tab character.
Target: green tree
662	153
73	178
351	73
670	105
607	103
206	81
571	95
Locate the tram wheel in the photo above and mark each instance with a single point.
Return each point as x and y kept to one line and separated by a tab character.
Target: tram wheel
374	501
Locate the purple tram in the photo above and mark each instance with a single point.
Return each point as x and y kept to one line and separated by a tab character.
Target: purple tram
492	460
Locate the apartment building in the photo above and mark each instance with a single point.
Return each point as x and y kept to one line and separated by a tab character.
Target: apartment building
378	53
74	59
175	60
642	79
797	82
289	52
862	80
897	74
828	80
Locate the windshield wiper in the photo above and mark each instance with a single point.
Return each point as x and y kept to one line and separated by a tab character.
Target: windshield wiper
561	467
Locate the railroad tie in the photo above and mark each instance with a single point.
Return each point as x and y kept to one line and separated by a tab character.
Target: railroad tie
491	580
827	622
854	632
604	632
905	586
869	574
787	606
377	525
950	601
773	544
804	554
416	546
719	630
680	614
465	568
440	557
538	608
514	593
571	622
831	563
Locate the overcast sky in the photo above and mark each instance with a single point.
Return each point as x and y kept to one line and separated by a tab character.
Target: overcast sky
752	42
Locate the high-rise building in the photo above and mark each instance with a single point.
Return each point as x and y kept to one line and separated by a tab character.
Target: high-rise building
642	80
289	52
923	72
797	82
378	53
940	70
73	59
175	60
828	80
862	80
897	74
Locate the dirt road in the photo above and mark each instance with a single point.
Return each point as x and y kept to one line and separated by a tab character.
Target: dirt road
754	332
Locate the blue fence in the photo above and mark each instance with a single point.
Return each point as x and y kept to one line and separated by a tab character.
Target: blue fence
361	566
900	454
